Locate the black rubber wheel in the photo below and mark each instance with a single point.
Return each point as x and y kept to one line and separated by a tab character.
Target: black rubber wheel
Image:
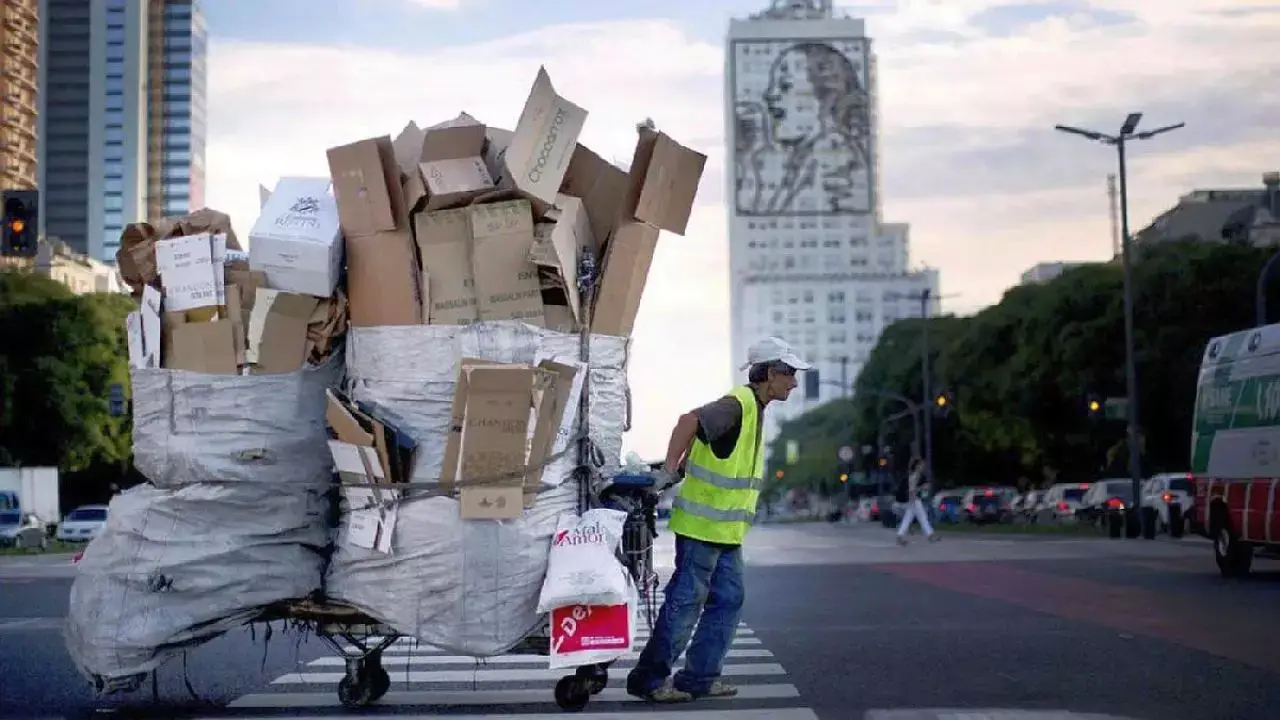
355	693
1234	558
572	693
595	676
380	681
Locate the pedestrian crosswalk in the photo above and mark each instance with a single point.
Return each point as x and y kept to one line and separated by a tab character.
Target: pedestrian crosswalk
431	683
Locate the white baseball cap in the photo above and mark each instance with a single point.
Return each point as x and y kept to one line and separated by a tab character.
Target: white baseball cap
772	349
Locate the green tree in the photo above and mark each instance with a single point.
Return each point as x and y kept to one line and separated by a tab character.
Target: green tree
60	355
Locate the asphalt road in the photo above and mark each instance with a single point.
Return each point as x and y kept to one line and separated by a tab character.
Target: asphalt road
841	623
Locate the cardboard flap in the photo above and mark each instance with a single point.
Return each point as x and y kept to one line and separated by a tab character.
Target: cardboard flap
343	422
506	280
366	185
407	147
544	140
444	246
664	181
622	281
457	415
549	410
207	347
283	344
603	188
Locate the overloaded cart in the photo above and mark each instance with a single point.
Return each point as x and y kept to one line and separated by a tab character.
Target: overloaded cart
409	391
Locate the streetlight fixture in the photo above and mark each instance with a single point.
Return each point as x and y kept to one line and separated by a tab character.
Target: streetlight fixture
1128	132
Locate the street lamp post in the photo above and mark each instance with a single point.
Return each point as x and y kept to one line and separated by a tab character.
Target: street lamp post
926	402
1128	132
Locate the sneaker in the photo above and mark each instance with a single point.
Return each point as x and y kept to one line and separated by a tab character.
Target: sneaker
720	689
902	540
665	694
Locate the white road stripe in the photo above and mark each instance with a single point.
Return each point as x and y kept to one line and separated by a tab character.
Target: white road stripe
408	647
500	675
774	714
489	697
641	636
426	660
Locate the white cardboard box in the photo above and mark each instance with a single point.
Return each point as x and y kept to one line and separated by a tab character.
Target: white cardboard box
297	240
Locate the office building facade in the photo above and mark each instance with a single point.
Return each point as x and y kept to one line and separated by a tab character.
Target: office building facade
120	144
811	259
19	93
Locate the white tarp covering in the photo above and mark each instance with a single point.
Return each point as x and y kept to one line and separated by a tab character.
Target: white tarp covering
470	587
235	519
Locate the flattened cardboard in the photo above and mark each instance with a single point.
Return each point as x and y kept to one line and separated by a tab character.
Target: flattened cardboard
457	416
144	331
202	347
283	347
603	188
239	330
506	280
296	240
444	245
490	503
626	269
382	282
366	187
495	430
549	408
560	318
664	181
544	141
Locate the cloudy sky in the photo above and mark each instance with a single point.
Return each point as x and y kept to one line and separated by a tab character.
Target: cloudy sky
970	90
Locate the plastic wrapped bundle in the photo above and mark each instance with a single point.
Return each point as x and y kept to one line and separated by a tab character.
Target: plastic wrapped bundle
236	519
468	586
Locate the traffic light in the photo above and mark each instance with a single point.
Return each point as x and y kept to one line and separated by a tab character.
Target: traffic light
811	384
779	474
943	402
884	462
18	237
1094	406
844	477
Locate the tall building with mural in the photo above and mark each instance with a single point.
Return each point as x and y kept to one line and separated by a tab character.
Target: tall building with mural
812	259
123	116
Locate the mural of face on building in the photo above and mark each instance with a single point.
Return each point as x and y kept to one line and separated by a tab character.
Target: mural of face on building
813	153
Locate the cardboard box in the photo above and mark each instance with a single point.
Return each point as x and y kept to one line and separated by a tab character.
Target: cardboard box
603	188
444	245
191	272
277	333
506	280
443	166
366	187
621	285
543	142
664	181
557	247
382	280
296	240
206	347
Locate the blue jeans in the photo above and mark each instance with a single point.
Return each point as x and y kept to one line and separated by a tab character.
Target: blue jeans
705	590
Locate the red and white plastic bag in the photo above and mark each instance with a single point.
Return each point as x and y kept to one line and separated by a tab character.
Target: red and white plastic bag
583	567
589	634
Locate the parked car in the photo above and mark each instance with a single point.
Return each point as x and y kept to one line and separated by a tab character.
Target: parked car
987	505
947	506
83	523
1159	491
1060	502
1111	494
22	530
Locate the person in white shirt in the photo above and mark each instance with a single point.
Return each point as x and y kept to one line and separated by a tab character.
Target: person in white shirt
916	485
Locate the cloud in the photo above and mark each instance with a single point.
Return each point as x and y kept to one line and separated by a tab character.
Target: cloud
436	4
967	109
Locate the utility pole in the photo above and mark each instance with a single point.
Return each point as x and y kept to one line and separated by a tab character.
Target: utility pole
1115	221
1128	131
926	403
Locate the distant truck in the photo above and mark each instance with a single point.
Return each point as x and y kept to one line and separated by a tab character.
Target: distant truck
35	490
1235	447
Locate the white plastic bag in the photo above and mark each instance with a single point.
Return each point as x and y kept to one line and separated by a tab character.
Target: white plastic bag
583	568
591	634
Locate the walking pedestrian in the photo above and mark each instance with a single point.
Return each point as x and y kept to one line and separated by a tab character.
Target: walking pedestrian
721	444
915	486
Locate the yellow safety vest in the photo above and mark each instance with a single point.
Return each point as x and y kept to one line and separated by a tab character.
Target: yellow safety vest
717	500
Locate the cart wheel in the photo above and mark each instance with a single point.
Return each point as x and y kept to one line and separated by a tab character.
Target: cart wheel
572	693
357	692
596	678
380	681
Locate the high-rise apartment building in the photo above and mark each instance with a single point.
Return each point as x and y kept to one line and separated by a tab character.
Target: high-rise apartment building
811	259
19	93
123	116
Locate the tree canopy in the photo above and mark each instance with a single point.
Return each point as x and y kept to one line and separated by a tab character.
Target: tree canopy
1019	373
60	354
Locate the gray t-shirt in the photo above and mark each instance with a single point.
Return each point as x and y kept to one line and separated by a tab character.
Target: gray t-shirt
720	424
